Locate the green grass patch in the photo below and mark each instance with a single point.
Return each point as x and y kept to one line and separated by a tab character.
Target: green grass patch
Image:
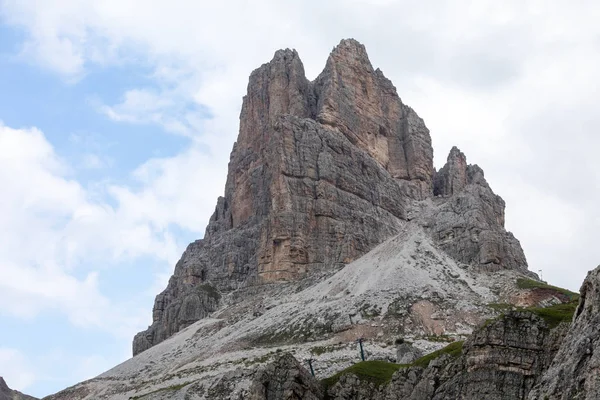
553	315
525	283
556	314
377	372
453	349
381	372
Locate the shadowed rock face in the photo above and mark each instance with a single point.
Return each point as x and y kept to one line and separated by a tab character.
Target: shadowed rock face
321	173
504	359
500	361
285	379
363	104
574	372
467	218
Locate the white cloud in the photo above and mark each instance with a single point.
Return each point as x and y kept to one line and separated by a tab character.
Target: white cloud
58	237
181	190
53	231
144	106
95	161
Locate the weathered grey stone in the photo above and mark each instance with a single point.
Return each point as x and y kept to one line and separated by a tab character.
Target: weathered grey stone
321	173
299	194
363	104
406	353
574	372
502	360
186	301
466	218
7	393
350	387
452	177
285	379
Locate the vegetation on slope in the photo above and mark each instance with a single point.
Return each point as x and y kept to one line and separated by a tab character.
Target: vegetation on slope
525	283
381	372
555	314
377	372
453	349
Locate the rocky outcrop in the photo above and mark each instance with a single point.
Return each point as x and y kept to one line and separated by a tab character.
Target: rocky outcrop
284	379
187	300
7	393
335	173
503	360
466	218
453	177
350	387
574	372
321	173
406	353
363	104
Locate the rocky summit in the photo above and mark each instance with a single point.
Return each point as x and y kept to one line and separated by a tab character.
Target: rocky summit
340	264
321	173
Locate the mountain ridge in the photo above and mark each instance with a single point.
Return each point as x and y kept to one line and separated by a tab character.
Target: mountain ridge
7	393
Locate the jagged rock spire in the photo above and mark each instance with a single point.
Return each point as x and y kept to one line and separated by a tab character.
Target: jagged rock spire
469	223
321	173
363	104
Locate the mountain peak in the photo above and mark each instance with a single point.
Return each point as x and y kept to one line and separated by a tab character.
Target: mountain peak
455	154
351	51
322	172
362	103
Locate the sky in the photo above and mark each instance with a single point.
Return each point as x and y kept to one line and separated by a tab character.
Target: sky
117	118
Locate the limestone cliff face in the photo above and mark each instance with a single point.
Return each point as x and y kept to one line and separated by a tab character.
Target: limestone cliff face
363	104
502	360
321	173
466	218
574	372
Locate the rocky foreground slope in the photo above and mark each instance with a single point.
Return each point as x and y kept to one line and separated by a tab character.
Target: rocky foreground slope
535	354
334	227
